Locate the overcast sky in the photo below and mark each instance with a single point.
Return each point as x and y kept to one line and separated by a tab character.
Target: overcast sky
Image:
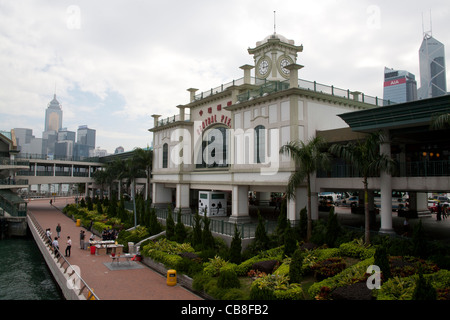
115	63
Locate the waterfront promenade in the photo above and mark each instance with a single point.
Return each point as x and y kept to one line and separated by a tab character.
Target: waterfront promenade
137	283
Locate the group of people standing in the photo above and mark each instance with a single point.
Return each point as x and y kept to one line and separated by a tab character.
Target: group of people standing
55	242
441	211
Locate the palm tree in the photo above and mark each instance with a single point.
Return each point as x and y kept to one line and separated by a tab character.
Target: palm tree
440	121
119	172
144	159
101	178
308	159
364	155
132	172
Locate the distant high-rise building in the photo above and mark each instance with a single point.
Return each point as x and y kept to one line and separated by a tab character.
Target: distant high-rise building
53	116
119	149
86	136
64	134
399	86
433	81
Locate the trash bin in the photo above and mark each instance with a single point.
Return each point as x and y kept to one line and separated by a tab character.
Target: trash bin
78	222
131	247
93	249
171	277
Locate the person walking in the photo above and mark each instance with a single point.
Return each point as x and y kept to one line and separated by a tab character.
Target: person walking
82	235
55	245
69	246
438	211
58	230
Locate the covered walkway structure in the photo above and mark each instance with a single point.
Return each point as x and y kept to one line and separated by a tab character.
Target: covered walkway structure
422	154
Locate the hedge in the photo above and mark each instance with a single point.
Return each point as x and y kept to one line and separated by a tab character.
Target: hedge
355	273
402	288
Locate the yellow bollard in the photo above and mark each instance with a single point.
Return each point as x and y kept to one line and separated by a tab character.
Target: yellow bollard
90	295
78	222
171	277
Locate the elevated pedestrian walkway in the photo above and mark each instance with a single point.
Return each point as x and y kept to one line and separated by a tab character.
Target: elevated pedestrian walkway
138	282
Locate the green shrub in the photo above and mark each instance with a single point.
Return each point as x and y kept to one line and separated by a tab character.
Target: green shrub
296	266
352	274
234	294
212	268
402	288
236	246
294	292
272	287
189	266
382	261
356	249
424	290
273	254
284	268
228	279
170	225
328	267
200	280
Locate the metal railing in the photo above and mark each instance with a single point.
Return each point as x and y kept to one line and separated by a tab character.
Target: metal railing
440	168
63	263
267	87
172	119
220	225
13	182
8	162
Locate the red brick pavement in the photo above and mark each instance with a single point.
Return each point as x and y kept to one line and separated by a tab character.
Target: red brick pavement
131	284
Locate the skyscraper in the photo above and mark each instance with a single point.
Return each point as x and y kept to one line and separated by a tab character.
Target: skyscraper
86	136
433	81
399	86
53	115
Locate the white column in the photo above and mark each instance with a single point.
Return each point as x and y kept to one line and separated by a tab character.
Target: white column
295	205
239	207
182	198
162	196
386	194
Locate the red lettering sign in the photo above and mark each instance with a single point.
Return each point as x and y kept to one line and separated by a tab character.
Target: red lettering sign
394	82
212	120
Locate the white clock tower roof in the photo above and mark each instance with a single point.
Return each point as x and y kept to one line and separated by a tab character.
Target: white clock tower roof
275	36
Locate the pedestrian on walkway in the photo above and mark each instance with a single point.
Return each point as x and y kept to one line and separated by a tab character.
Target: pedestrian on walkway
69	246
49	236
58	230
438	212
82	235
55	245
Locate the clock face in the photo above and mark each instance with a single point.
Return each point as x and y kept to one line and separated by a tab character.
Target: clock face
282	63
263	67
285	62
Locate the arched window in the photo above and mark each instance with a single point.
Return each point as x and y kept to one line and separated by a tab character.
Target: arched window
260	144
214	150
165	157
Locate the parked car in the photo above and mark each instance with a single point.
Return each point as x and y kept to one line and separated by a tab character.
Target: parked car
432	205
348	202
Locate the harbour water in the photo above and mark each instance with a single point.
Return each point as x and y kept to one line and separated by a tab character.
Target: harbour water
24	274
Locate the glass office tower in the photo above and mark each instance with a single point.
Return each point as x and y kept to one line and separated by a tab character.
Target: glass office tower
433	81
399	86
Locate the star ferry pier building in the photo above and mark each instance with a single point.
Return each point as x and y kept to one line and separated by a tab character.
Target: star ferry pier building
224	144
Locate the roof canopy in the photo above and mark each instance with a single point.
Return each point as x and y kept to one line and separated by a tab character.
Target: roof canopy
409	114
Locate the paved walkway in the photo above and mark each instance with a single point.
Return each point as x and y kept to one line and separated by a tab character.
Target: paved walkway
130	284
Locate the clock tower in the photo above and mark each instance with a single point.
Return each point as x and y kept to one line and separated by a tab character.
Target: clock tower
272	55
